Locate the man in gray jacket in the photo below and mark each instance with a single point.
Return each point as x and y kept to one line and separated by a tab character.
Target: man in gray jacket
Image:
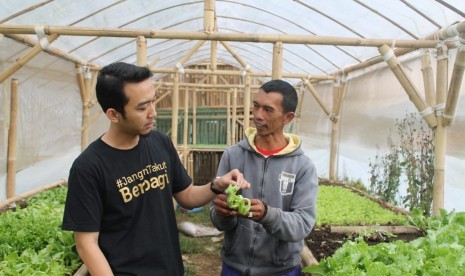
283	191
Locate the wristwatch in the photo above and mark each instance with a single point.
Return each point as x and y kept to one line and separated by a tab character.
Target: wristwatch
212	187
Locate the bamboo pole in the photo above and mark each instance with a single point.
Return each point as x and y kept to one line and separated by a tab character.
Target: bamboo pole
206	85
454	88
408	85
85	108
186	126
439	167
317	97
440	132
334	134
191	52
235	55
307	257
16	198
239	73
299	112
141	50
209	16
175	106
163	96
20	62
200	35
247	102
428	78
194	117
234	116
153	62
11	164
213	60
50	49
228	118
277	67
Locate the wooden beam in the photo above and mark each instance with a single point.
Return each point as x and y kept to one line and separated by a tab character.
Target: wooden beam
277	66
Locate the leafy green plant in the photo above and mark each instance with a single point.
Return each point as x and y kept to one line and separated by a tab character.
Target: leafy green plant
440	252
31	240
411	154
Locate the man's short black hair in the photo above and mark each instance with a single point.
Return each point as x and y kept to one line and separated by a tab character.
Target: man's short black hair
290	98
111	81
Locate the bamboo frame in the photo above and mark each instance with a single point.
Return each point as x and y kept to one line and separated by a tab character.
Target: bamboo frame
50	49
236	56
428	78
247	102
194	117
407	84
338	95
185	138
234	116
12	131
20	62
213	60
141	51
264	38
191	52
454	88
228	119
209	16
317	97
175	107
440	131
277	66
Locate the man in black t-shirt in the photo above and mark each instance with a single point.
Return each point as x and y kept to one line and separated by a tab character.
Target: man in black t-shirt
119	202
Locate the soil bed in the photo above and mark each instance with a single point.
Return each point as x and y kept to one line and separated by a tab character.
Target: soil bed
322	243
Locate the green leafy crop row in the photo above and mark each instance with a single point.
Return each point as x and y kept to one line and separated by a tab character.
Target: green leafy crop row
440	252
31	239
340	206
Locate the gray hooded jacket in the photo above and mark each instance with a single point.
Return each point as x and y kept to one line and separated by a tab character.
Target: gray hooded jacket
288	183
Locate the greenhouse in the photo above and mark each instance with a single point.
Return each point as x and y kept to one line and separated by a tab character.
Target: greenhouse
380	110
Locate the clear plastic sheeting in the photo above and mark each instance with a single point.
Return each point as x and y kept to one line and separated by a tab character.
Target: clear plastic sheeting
50	108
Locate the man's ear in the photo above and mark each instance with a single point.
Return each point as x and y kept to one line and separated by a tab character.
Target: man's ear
113	115
288	117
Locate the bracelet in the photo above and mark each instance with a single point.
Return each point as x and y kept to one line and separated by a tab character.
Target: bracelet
266	210
212	187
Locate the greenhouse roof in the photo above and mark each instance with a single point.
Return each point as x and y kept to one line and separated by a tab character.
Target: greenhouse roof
324	23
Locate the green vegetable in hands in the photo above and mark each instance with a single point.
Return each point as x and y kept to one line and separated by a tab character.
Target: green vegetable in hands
237	201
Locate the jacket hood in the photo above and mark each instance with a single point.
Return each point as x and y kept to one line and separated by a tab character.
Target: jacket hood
293	146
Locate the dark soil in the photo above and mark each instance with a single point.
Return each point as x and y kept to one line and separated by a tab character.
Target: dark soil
322	243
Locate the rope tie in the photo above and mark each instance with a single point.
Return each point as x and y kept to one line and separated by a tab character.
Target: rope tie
180	68
388	55
40	32
425	112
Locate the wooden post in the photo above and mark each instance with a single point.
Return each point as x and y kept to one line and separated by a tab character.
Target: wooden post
11	164
277	70
141	51
408	85
175	107
428	78
20	62
247	102
234	118
454	87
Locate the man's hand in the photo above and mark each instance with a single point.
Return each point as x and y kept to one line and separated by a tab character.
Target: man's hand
234	177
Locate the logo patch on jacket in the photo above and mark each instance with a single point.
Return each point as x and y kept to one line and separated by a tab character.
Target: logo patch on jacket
286	182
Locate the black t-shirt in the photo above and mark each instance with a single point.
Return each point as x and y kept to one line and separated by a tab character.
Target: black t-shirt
126	195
